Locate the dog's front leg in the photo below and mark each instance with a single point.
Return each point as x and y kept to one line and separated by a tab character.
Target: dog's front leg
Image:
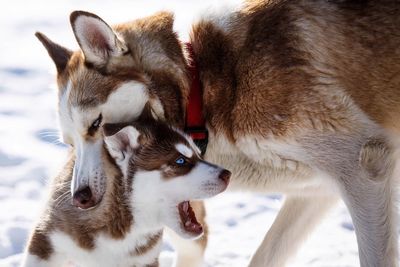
191	252
296	219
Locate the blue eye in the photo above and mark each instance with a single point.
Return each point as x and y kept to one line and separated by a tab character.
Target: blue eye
180	161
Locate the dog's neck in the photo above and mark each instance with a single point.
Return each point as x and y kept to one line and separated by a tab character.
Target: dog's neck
194	121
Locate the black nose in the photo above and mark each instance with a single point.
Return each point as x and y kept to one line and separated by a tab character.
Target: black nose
225	175
84	198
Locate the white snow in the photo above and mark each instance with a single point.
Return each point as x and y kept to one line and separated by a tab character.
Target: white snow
30	153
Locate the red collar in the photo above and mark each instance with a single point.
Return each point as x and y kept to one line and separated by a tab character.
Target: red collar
195	122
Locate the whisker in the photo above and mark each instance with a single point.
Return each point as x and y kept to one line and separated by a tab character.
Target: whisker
61	199
60	196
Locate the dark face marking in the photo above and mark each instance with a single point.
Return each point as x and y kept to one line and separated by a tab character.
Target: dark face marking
158	152
95	125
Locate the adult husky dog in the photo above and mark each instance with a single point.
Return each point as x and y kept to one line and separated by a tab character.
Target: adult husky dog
300	97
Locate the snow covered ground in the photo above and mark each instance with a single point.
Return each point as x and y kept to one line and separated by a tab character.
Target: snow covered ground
30	153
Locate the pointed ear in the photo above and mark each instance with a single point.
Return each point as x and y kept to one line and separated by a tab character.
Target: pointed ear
122	143
96	38
59	54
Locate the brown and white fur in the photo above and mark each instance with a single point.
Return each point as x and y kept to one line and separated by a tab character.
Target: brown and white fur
300	97
146	189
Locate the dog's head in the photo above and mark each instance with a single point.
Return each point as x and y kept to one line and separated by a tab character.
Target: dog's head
163	169
115	74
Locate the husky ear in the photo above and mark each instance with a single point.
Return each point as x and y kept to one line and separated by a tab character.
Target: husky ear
59	54
96	38
122	143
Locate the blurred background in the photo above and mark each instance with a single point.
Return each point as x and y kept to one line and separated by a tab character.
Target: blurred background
30	153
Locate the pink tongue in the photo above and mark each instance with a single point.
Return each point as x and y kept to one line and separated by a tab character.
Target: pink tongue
193	227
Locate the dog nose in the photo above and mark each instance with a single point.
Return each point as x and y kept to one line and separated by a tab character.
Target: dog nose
84	198
225	175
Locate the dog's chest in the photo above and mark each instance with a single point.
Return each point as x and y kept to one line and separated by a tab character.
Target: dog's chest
260	164
107	251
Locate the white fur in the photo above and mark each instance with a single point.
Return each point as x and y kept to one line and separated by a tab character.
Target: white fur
64	115
188	139
201	182
158	195
117	146
184	150
107	251
30	260
267	169
125	103
87	159
259	150
220	14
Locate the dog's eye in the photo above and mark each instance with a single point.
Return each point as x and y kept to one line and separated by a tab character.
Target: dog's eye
180	161
96	124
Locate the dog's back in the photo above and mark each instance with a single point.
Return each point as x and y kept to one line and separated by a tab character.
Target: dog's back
290	58
354	46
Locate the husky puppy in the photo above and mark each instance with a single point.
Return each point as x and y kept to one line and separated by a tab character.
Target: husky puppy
300	97
152	171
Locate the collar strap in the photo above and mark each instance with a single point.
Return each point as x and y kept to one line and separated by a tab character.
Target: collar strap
194	121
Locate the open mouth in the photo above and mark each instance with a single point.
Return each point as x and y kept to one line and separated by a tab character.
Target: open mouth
188	218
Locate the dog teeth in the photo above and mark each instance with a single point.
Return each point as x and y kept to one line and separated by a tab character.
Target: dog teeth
185	206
